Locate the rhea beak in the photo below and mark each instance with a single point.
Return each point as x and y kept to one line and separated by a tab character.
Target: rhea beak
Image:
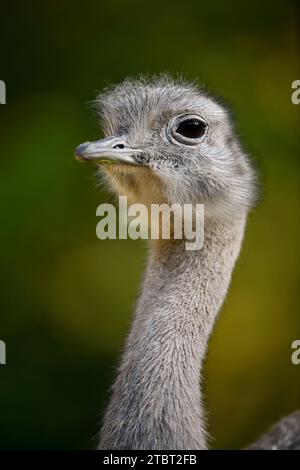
109	150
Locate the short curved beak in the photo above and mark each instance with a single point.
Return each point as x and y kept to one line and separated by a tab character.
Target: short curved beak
109	150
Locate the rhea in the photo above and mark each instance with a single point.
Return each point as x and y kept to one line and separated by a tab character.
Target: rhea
167	141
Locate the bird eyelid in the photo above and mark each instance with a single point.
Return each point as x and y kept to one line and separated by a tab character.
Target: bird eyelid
200	129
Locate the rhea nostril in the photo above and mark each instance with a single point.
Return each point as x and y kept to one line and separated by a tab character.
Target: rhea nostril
118	146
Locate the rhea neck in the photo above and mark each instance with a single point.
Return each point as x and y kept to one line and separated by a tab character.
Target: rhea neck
156	400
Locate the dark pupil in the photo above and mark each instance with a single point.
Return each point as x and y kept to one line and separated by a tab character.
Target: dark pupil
191	128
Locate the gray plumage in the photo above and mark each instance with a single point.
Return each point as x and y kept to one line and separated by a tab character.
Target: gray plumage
156	400
284	435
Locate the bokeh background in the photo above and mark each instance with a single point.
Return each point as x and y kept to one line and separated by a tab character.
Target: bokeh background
66	297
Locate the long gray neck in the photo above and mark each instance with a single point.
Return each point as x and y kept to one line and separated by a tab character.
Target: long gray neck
156	398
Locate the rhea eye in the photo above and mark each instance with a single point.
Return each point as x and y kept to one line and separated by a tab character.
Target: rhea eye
191	128
188	129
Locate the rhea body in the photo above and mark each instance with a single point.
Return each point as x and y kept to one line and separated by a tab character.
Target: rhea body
167	141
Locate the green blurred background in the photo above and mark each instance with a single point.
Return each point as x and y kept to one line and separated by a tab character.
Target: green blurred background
66	297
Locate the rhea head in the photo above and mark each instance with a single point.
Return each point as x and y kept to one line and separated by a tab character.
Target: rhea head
168	141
